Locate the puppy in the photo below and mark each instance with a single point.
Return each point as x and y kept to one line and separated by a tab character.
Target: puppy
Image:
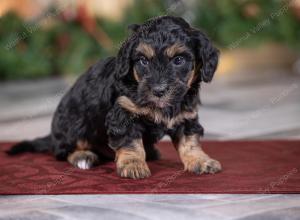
123	105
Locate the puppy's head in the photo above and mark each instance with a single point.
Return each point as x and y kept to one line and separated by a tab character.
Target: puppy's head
165	57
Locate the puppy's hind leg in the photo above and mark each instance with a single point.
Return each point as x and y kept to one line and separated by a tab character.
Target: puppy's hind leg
83	157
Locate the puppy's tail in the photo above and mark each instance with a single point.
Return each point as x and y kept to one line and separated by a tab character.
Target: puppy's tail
38	145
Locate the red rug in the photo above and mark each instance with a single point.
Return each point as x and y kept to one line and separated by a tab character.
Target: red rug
248	167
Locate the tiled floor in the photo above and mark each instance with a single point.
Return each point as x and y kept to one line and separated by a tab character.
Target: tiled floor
264	105
151	207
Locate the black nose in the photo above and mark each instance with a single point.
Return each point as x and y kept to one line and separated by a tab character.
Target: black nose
159	91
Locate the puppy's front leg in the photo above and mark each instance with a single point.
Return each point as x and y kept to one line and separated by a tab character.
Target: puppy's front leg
131	160
193	157
125	138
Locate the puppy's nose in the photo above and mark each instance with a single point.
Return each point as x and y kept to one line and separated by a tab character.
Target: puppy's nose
159	91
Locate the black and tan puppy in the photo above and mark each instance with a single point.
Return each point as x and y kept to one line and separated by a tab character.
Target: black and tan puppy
123	105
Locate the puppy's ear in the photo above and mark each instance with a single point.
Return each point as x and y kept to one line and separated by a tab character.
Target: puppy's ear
124	62
207	56
133	27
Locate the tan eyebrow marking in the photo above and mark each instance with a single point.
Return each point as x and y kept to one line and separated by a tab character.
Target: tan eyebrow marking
175	49
146	49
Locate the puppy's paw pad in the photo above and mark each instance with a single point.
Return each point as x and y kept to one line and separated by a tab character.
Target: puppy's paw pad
134	169
84	164
212	166
83	159
199	166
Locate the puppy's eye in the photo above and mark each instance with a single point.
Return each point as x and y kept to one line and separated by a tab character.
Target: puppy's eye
178	60
144	61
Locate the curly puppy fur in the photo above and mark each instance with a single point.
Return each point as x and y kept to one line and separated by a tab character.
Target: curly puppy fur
123	105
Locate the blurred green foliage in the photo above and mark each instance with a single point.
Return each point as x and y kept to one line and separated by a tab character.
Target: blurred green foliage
249	22
31	50
22	56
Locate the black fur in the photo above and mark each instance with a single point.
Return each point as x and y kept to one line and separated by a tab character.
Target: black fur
37	145
89	110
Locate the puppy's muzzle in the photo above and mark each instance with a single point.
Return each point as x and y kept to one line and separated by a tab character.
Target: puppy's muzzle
159	90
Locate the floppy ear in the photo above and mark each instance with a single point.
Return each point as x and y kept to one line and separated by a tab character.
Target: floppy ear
207	56
134	27
124	63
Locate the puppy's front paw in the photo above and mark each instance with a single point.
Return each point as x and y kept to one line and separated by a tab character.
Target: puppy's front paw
133	168
200	165
212	166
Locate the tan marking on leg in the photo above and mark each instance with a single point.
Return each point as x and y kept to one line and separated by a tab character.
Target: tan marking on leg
146	50
194	158
176	48
131	161
83	145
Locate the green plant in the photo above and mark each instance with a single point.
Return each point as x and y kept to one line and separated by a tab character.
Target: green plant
249	22
29	50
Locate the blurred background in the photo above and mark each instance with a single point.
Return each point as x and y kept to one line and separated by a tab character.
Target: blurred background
46	44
